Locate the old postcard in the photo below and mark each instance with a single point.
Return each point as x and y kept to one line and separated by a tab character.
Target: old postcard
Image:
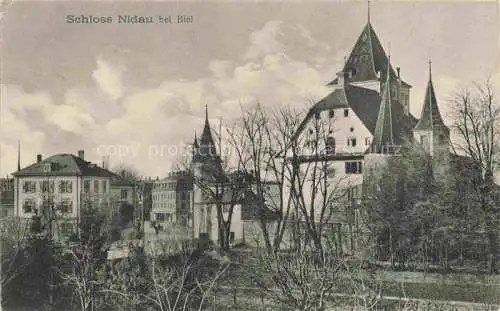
238	155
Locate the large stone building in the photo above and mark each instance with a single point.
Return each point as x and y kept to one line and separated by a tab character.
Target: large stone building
172	199
365	119
65	184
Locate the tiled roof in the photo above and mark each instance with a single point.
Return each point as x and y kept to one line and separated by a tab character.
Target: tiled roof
430	117
365	103
66	165
117	180
366	59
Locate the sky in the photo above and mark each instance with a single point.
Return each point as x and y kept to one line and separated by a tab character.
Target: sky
137	92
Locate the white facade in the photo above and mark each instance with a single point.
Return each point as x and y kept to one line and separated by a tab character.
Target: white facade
29	195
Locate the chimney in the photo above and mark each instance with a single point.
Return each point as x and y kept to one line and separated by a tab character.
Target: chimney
105	162
81	154
38	158
399	70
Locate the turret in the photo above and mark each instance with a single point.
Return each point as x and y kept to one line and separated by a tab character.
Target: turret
430	131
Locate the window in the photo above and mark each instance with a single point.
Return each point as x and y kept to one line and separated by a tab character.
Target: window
330	172
65	206
29	187
353	167
86	186
351	142
96	186
104	186
442	139
160	216
28	206
317	115
47	186
346	112
311	131
65	186
88	204
331	113
47	167
424	140
368	141
330	145
351	129
124	194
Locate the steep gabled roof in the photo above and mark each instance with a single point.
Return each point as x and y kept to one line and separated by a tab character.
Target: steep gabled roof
64	165
430	117
367	58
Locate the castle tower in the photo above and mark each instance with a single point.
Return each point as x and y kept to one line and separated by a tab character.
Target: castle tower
430	131
366	67
206	167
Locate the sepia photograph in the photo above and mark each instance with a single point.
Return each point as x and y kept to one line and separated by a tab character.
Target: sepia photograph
249	155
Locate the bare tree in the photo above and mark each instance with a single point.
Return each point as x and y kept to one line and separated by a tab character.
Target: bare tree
477	124
168	282
307	273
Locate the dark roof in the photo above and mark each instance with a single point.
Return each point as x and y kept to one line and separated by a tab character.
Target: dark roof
206	150
430	117
117	180
366	59
65	164
384	132
365	103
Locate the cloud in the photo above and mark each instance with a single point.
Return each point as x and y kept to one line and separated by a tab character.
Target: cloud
265	40
14	128
109	78
166	116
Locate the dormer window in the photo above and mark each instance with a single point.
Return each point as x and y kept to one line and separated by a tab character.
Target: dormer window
47	167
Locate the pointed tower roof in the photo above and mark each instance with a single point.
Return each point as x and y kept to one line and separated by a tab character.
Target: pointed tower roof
430	118
206	136
367	58
206	150
195	143
384	134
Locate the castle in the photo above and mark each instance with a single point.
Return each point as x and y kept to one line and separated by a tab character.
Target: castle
362	122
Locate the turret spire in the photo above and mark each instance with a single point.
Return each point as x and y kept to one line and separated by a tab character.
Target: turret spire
430	117
430	68
368	11
383	136
206	113
18	155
